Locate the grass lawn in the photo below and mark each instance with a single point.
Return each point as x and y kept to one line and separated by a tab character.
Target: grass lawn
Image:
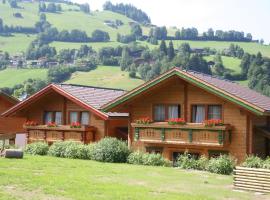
228	62
11	77
105	76
36	177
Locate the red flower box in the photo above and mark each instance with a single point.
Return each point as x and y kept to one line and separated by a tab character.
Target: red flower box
51	124
213	122
176	121
75	125
143	120
30	123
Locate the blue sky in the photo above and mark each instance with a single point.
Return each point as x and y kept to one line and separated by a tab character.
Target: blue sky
244	15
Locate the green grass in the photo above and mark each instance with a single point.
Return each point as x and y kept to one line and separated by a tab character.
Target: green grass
11	77
16	44
105	76
230	63
36	177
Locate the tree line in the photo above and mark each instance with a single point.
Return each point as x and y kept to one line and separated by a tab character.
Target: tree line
129	11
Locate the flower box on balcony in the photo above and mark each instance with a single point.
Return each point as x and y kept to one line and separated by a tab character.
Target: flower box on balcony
60	128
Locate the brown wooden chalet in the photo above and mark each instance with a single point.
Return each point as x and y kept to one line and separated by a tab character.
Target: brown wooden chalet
242	115
9	127
51	112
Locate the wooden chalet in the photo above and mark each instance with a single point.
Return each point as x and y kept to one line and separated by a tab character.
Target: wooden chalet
196	97
51	111
9	127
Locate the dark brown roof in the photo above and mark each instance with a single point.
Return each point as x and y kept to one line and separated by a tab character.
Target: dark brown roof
241	95
235	89
94	96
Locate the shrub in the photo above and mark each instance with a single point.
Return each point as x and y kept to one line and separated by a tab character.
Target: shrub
37	148
58	149
253	162
140	158
155	160
110	150
135	158
266	163
223	164
73	150
202	163
186	161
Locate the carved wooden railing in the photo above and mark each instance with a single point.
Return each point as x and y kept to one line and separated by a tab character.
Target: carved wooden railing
85	134
189	134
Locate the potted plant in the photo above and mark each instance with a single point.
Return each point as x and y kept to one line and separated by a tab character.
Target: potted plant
213	122
143	120
176	121
30	123
51	124
75	125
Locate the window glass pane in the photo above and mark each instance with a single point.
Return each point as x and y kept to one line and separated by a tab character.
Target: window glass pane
173	111
198	113
85	118
159	113
48	117
73	117
214	112
58	118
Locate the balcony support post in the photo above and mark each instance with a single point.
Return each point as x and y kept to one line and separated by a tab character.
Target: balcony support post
190	135
162	135
137	134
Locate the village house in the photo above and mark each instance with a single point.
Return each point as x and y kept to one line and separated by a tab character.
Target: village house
237	118
62	112
10	127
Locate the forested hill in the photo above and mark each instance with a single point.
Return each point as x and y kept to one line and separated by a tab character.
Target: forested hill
60	41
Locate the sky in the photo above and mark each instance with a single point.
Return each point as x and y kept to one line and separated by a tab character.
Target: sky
242	15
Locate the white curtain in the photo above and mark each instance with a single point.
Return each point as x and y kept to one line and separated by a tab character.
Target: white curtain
198	114
85	118
58	118
159	113
48	117
73	117
214	112
173	111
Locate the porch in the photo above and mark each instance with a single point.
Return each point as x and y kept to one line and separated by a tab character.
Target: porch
84	134
189	134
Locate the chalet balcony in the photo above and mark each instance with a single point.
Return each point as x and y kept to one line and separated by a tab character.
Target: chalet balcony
84	134
189	134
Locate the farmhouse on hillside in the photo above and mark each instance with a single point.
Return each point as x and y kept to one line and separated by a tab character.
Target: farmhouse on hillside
51	112
218	116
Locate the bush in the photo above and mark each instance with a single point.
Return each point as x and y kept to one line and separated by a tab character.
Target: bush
223	164
266	163
37	148
135	158
140	158
202	163
110	150
253	162
186	161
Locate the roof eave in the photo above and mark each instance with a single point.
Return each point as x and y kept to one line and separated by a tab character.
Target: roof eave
201	84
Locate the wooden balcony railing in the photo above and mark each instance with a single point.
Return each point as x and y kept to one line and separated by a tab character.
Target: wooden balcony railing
85	134
189	134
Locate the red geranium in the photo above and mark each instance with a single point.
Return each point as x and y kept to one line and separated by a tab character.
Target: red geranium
176	121
75	125
144	120
51	124
213	122
30	123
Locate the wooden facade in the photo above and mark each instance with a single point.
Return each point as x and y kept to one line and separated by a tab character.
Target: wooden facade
237	136
53	101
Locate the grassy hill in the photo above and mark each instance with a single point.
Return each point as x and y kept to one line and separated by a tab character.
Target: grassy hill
105	76
11	77
230	63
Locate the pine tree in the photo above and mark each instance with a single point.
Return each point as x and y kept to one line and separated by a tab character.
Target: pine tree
218	68
125	60
170	51
163	47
